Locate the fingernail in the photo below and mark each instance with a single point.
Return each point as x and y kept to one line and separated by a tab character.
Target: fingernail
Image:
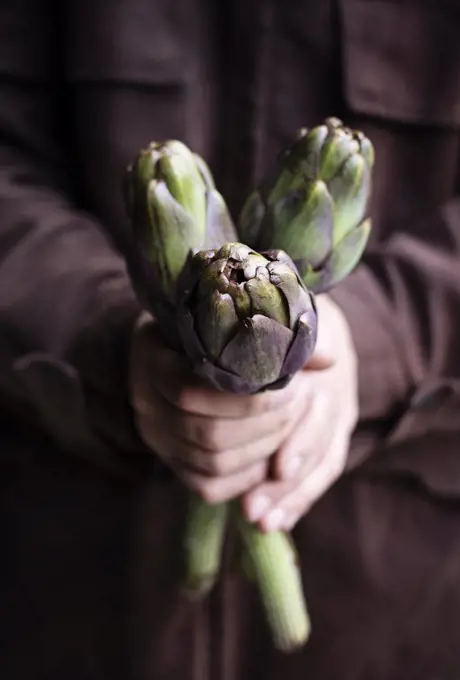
292	466
275	520
257	507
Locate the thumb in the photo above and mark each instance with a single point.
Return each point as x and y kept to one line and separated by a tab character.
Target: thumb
323	356
320	360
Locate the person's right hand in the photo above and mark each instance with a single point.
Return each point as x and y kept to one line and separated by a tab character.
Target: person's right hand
217	443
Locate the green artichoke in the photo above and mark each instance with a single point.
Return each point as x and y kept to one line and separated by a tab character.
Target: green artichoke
316	208
174	209
247	322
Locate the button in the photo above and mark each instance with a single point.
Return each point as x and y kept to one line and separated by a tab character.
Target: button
428	399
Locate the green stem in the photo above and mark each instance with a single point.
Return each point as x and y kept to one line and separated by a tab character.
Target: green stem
204	538
278	577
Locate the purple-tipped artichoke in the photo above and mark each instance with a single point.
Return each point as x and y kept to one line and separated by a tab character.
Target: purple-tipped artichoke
317	207
246	321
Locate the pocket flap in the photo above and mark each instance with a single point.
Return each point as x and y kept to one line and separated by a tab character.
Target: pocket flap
402	59
136	41
424	444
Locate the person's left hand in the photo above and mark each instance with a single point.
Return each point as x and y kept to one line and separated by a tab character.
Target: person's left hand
314	453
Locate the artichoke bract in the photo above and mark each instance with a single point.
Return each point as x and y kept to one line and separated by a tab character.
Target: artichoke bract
174	209
246	320
316	209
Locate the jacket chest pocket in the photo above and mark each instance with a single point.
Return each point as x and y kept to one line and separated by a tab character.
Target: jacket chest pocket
133	72
402	59
401	85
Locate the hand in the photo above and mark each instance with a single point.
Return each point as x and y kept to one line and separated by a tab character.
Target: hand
315	451
217	443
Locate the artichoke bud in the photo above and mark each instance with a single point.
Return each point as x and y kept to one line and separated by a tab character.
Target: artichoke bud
320	196
242	329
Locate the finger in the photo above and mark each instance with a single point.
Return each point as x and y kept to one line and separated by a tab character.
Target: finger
288	501
309	438
221	489
160	429
325	352
320	362
217	435
202	400
230	461
212	445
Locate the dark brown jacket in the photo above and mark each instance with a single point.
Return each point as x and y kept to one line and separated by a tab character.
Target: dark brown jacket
90	524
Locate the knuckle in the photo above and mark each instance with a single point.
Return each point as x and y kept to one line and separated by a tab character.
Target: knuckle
261	403
216	466
252	406
210	436
256	475
206	433
185	399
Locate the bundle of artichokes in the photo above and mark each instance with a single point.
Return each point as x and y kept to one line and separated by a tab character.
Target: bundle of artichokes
244	315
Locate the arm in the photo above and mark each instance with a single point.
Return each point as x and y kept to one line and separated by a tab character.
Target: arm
67	309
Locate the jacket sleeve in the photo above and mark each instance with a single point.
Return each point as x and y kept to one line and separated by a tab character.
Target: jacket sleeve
67	308
403	306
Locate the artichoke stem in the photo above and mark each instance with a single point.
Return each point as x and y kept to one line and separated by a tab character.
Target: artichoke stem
204	538
278	578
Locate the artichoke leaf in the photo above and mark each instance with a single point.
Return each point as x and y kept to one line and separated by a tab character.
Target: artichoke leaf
172	235
215	322
350	191
251	219
257	351
304	222
348	252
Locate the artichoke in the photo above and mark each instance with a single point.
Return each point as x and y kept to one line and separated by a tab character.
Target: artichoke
174	209
316	208
246	320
